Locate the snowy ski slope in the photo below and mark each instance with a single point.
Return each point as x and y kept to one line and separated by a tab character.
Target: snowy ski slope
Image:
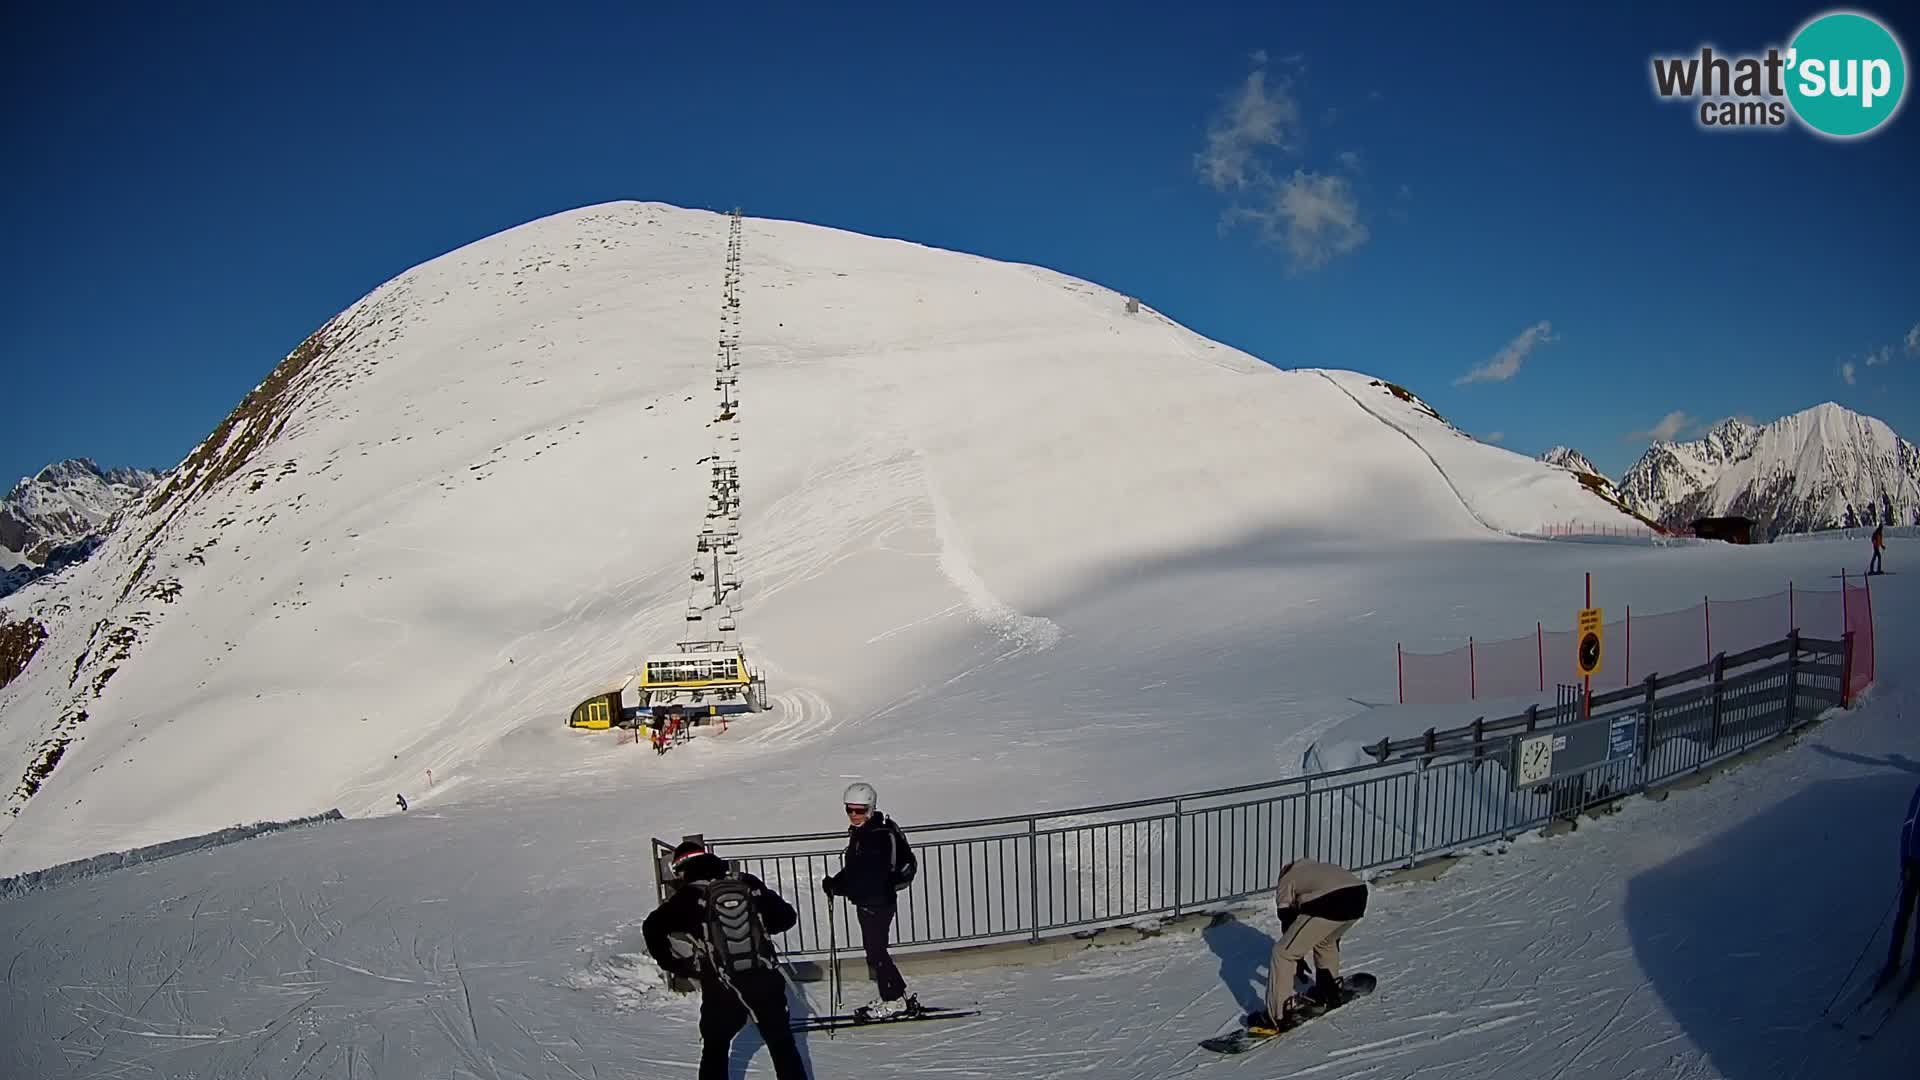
987	513
1693	938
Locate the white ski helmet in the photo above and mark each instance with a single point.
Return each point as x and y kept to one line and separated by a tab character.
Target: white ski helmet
861	794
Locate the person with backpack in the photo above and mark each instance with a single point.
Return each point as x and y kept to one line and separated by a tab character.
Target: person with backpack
1909	896
730	917
879	864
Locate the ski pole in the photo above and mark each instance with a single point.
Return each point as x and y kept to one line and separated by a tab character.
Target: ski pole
1863	954
833	962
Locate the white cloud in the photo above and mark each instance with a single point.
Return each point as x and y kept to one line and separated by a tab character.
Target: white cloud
1256	118
1913	340
1315	218
1496	436
1882	355
1506	363
1668	429
1313	215
1846	372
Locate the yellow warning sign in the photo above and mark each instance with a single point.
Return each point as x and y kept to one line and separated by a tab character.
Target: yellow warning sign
1592	647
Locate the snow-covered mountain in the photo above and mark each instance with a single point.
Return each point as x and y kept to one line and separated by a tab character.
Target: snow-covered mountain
52	518
1824	467
470	500
1503	490
1572	460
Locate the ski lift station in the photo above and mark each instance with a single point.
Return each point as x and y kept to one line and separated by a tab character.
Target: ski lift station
710	679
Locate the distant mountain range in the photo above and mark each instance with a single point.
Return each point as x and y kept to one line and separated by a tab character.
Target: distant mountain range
56	517
1822	468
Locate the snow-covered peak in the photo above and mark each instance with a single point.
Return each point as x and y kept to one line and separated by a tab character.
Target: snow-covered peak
1822	467
1572	460
65	503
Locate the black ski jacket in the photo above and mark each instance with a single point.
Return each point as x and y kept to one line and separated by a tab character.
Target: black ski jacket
683	913
879	863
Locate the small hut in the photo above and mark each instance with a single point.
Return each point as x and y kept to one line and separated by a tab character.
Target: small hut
1733	529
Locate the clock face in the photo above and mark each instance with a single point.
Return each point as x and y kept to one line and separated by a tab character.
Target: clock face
1536	759
1590	653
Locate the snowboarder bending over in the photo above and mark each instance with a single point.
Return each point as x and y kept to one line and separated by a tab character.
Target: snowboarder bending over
1317	903
729	916
1879	545
1909	895
879	864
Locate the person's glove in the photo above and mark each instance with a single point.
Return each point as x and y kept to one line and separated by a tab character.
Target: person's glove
829	886
1287	916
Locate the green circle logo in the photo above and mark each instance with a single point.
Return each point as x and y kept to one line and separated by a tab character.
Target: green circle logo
1846	74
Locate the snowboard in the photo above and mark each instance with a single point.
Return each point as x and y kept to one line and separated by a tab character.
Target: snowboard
1239	1041
836	1021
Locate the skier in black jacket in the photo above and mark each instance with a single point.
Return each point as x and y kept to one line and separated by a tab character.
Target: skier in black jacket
879	864
731	988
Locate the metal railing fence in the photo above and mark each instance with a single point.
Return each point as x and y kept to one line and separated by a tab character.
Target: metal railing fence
1030	876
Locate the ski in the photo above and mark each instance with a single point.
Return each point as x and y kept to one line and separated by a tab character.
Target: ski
1239	1041
836	1021
1906	991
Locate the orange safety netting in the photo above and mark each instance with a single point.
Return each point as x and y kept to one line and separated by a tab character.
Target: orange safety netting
1641	645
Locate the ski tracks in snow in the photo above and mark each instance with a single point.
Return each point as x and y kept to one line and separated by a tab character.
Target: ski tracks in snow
805	714
1027	633
1417	445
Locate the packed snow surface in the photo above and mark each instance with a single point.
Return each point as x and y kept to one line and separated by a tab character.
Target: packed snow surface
1702	936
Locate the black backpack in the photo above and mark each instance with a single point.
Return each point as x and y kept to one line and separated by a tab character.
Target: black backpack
735	939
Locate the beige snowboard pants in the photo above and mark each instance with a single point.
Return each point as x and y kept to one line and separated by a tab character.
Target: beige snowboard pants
1310	936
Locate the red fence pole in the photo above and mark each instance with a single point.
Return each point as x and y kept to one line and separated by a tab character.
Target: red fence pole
1846	635
1400	669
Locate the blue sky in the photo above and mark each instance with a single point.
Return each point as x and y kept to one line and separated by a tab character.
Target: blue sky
1410	191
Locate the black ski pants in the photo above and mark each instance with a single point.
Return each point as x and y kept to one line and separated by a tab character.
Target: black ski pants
1909	896
761	996
875	925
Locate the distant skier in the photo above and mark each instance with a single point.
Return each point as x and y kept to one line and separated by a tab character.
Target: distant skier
730	916
401	800
1879	545
1317	903
879	864
1909	894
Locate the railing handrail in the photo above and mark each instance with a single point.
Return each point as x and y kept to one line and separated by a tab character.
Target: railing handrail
1490	730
